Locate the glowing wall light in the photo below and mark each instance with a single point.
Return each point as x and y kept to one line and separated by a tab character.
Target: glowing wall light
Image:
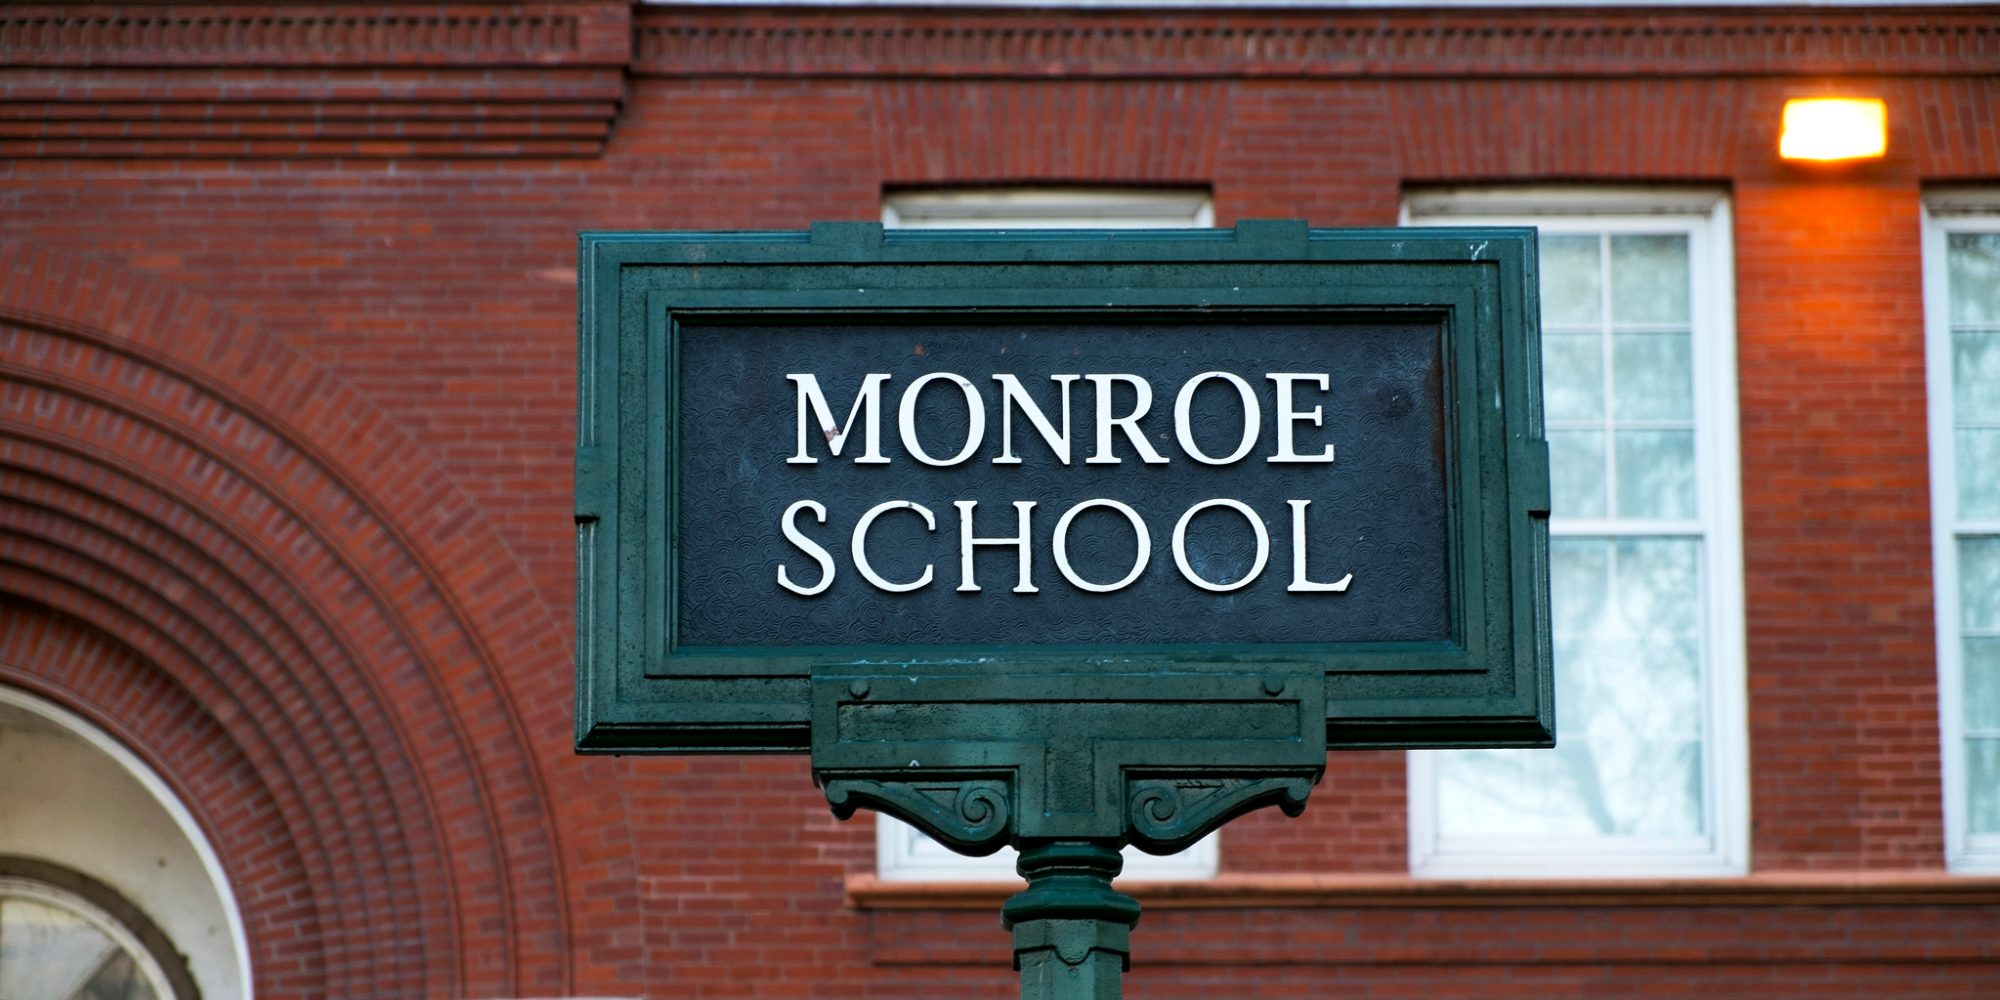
1834	128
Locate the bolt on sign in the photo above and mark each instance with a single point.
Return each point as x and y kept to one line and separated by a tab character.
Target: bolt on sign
1063	540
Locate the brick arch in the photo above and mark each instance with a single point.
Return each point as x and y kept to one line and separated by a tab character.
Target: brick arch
258	532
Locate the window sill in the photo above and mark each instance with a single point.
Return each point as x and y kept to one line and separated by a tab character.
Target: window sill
1926	887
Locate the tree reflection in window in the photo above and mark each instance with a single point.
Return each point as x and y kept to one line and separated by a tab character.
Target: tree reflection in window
1648	777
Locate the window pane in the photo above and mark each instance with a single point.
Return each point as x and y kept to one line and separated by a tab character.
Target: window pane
1576	472
1658	583
1573	376
1982	773
1513	793
1649	279
45	949
1982	684
1974	278
117	979
1579	583
1979	584
1570	288
1975	376
1654	375
1655	474
1628	676
1978	472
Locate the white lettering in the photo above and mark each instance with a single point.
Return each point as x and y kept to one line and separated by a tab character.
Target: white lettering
1301	585
1256	525
808	546
966	541
1128	423
1145	546
868	400
1011	395
975	429
1184	402
1287	416
860	545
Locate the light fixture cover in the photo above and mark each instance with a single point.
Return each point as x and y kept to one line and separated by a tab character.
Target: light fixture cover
1834	128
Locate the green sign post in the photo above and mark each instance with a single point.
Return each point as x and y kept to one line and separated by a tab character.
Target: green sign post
1065	541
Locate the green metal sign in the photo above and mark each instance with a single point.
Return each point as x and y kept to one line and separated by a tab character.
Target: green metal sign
1063	540
674	657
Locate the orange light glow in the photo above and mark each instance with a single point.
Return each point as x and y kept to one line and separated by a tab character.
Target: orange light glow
1834	128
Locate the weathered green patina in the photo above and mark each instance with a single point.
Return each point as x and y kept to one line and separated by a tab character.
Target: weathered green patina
1066	749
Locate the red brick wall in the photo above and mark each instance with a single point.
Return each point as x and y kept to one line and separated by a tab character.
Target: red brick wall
288	407
1836	528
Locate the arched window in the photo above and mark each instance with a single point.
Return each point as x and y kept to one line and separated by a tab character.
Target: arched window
108	888
66	936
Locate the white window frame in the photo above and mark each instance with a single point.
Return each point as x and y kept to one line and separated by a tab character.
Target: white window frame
901	853
1944	214
1704	217
1049	208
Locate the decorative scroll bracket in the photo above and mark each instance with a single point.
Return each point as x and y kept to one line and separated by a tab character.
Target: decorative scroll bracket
1069	767
1156	758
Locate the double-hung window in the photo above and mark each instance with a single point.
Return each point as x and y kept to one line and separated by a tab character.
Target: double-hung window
901	853
1639	395
1962	310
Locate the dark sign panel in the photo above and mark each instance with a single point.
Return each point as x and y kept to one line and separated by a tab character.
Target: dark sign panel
1023	483
1060	454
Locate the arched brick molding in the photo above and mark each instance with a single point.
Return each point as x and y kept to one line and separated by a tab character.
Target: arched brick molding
255	531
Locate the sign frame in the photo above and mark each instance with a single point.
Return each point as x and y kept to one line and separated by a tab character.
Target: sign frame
1489	685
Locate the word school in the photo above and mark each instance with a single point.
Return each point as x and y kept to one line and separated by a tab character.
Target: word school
814	411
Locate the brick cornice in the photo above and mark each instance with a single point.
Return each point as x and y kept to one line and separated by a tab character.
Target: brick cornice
547	79
315	80
1504	43
348	35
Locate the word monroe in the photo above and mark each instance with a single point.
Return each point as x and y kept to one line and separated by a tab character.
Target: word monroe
813	408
